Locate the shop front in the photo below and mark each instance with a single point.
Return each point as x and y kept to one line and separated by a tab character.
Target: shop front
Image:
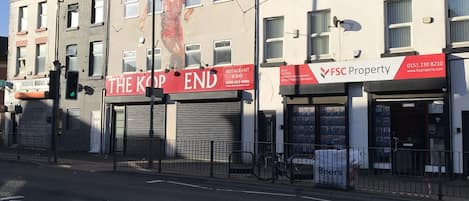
200	105
406	103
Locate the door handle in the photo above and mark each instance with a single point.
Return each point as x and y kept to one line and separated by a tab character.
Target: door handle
396	140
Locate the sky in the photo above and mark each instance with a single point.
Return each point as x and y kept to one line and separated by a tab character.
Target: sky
4	16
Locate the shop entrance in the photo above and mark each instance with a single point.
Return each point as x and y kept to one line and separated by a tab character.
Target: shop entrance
266	132
408	129
409	136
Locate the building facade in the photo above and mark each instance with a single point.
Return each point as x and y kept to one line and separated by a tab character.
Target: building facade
31	47
82	48
3	76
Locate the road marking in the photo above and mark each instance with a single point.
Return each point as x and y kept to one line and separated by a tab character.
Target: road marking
311	198
235	191
12	198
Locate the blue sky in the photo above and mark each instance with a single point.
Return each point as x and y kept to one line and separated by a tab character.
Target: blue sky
4	16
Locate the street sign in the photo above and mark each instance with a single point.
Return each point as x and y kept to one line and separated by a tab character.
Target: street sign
2	83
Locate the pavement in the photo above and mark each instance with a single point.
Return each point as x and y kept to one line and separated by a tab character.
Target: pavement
103	166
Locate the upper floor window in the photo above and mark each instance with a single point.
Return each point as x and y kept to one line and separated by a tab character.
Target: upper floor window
399	24
459	20
191	3
273	43
42	15
157	59
97	14
23	19
129	63
158	6
96	58
20	60
71	58
131	8
193	55
222	52
320	31
72	16
40	58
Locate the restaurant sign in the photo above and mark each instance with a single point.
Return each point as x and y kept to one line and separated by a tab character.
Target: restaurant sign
240	77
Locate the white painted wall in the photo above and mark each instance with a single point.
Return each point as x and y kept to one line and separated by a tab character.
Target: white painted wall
460	96
358	122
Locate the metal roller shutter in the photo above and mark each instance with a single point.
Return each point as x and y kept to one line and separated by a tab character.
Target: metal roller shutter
33	126
138	123
199	123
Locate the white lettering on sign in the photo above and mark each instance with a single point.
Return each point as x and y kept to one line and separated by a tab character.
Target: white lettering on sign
111	83
205	80
120	85
128	83
140	86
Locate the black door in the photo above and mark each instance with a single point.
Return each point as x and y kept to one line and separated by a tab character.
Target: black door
14	129
465	132
266	132
409	134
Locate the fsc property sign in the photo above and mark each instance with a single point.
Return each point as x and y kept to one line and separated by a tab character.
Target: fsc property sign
239	77
394	68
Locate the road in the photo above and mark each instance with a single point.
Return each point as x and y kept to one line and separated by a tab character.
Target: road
45	183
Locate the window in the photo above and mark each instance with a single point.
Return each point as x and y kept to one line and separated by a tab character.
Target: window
72	15
42	15
97	14
73	119
273	39
190	3
131	8
96	58
192	55
222	52
157	59
129	61
72	58
22	19
459	20
158	6
319	39
40	58
21	60
399	21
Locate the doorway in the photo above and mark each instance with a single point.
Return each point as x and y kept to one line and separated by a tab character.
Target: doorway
409	135
267	132
465	136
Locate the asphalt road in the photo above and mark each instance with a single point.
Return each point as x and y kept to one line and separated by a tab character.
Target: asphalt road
45	183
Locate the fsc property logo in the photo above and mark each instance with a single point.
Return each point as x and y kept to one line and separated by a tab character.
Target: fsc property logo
333	71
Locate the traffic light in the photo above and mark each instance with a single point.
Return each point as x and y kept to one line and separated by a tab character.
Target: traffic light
53	87
72	85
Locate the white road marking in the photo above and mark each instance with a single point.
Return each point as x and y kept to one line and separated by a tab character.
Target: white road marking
311	198
11	198
238	191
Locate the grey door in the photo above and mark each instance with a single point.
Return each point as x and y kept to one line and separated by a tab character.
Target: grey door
119	128
199	123
266	132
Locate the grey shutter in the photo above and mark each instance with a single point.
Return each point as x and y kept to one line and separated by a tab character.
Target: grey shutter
138	124
33	126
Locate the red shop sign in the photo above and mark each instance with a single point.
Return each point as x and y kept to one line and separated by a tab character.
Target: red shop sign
227	78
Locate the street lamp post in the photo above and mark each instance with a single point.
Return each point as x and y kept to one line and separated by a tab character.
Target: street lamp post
152	94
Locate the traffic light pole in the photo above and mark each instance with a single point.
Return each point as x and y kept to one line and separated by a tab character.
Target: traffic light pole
55	110
152	86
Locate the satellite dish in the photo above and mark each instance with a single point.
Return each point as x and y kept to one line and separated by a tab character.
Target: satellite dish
336	21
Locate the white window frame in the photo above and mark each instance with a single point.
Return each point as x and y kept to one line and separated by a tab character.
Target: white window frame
157	54
215	48
131	3
95	7
42	15
220	1
451	20
125	59
150	6
192	6
93	54
71	15
192	51
21	60
270	40
23	19
39	56
313	35
396	26
69	55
